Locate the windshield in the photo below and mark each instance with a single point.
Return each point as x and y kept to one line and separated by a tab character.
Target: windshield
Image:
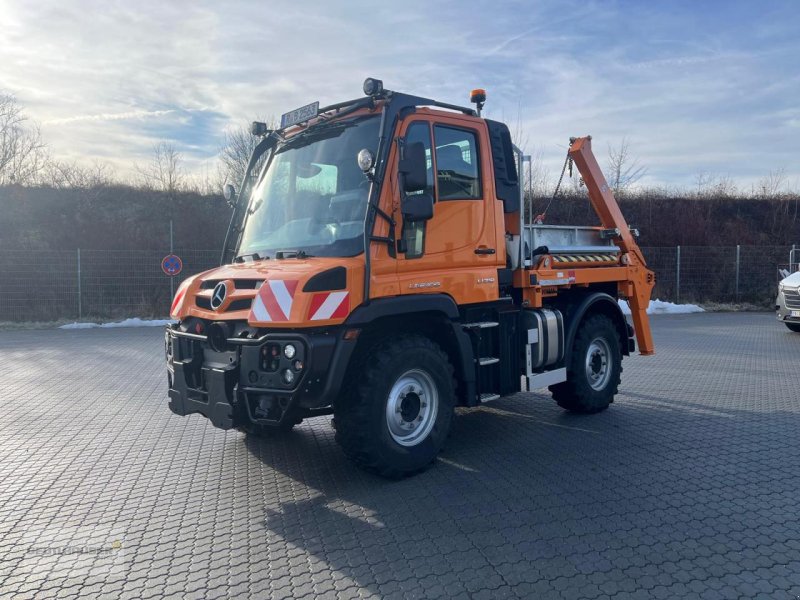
312	197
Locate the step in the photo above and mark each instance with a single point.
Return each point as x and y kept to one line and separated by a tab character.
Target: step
480	325
488	360
488	397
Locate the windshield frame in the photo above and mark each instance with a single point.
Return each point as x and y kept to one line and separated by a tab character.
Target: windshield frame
285	144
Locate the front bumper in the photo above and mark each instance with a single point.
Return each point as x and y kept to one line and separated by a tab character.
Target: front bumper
232	387
787	310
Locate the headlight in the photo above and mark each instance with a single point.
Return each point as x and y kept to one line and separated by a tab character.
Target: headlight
288	376
365	160
289	351
780	288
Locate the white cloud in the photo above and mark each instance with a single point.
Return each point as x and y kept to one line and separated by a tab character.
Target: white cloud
109	79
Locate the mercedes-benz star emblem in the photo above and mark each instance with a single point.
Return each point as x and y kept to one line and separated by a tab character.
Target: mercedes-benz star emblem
219	294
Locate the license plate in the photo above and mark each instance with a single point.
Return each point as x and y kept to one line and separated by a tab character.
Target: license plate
298	115
795	313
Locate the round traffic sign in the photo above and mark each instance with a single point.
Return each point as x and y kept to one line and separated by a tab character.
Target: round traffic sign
171	265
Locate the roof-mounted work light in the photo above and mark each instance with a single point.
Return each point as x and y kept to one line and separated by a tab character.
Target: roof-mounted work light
258	128
373	87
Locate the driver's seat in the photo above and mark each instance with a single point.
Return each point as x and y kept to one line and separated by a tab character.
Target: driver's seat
450	161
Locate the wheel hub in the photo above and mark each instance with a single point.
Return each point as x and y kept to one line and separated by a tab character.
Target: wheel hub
411	407
598	364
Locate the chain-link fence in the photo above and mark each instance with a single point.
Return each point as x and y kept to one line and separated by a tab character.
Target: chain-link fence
726	274
50	286
91	284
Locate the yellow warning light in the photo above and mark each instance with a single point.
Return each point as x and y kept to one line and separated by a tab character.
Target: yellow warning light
477	96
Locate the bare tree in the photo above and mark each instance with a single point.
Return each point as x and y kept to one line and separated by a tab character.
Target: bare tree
624	170
772	184
62	174
715	186
235	151
22	152
165	170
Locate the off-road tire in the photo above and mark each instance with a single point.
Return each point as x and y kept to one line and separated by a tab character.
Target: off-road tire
793	327
576	394
360	411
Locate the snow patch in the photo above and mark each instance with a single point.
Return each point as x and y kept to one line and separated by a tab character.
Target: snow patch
134	322
660	307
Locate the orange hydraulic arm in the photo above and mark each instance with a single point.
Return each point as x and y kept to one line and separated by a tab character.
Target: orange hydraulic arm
641	279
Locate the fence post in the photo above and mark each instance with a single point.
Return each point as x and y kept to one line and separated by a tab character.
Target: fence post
171	251
678	275
737	271
80	308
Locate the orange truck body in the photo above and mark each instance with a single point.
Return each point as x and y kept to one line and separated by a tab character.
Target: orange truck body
467	264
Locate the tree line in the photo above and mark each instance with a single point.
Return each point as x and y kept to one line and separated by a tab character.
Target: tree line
47	203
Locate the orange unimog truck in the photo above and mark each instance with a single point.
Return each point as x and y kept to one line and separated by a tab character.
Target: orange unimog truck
378	267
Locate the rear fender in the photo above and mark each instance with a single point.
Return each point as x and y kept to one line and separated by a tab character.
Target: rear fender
601	303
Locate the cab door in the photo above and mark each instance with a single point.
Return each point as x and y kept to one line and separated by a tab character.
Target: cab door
455	252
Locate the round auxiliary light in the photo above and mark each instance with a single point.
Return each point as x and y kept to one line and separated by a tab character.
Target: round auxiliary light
365	160
289	351
288	376
298	365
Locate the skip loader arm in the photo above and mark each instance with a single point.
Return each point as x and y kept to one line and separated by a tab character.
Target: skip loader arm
640	279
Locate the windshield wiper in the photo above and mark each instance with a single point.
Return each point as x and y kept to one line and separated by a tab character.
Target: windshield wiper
292	254
252	255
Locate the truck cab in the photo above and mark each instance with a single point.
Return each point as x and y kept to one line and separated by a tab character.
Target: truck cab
378	267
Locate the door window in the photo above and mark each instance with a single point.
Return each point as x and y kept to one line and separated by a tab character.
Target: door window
457	169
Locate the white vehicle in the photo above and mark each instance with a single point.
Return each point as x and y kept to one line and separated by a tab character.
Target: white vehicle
787	304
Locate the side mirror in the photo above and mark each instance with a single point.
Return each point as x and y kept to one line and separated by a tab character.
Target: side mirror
229	193
414	168
417	207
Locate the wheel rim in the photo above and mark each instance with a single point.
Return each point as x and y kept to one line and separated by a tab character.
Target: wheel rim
598	364
411	408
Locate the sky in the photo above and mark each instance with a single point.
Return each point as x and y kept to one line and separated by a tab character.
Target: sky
695	86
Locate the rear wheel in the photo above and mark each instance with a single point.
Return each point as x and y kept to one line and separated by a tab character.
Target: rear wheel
793	326
394	414
593	368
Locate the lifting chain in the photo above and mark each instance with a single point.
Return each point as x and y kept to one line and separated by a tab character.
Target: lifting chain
567	163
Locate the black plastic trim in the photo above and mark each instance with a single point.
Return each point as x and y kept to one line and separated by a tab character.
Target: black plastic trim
576	316
506	177
396	305
332	279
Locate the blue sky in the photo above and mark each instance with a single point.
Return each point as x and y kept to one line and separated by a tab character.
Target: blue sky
696	87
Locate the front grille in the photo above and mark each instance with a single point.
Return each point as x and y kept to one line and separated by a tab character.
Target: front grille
239	284
792	299
243	304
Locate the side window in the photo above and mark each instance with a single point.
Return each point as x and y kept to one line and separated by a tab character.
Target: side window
457	169
413	234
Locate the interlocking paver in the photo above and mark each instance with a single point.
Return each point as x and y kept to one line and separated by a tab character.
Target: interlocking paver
686	487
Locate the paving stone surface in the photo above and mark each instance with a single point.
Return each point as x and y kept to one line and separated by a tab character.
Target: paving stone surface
688	486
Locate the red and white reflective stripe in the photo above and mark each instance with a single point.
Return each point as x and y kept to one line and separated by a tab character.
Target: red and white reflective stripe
331	305
176	302
274	301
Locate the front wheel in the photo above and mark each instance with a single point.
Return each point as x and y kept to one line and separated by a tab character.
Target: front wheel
793	326
394	414
593	369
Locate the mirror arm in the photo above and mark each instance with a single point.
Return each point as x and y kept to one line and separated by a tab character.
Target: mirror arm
390	241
